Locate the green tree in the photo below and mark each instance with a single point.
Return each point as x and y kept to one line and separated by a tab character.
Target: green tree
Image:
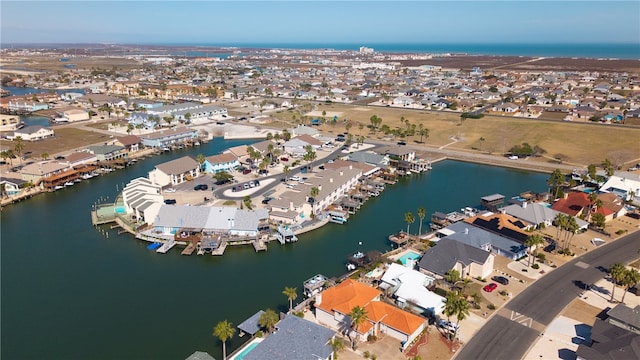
555	181
591	170
424	133
247	201
598	220
187	117
286	171
310	155
286	135
533	240
630	279
617	273
608	167
337	345
224	330
222	177
461	312
422	212
18	147
358	317
452	277
200	158
268	320
314	192
409	219
291	293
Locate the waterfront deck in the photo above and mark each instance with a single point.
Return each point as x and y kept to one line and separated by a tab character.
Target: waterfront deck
220	249
166	246
401	238
259	244
189	249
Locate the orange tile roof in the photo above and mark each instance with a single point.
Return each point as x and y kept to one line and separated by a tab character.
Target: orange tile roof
347	295
393	317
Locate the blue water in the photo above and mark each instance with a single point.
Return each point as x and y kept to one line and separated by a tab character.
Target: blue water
29	90
408	256
609	50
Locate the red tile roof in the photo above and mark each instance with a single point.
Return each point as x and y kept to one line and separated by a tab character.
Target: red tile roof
573	204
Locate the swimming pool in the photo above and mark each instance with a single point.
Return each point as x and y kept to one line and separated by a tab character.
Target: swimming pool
246	350
120	209
409	256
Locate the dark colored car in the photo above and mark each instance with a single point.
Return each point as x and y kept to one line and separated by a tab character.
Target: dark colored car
201	187
490	287
501	280
246	171
170	201
402	142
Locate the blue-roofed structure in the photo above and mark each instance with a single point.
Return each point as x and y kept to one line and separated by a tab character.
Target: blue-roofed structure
295	339
251	325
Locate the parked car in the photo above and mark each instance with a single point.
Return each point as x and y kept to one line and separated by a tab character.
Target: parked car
284	159
201	187
246	171
295	178
501	279
170	190
246	186
447	325
169	201
490	287
266	200
402	142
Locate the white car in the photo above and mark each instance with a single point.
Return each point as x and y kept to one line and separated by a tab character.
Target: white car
295	178
449	326
170	190
513	157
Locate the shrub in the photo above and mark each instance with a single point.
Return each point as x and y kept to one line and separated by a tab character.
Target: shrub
620	232
440	291
481	279
372	338
259	334
541	257
366	354
373	357
299	314
503	292
491	307
535	266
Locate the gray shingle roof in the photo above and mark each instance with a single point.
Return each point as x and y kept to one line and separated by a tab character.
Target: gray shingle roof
251	325
443	257
178	166
296	339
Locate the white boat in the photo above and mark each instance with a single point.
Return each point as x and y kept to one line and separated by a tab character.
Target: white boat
58	187
69	183
77	180
351	267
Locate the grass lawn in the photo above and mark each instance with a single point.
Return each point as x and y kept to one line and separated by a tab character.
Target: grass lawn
578	143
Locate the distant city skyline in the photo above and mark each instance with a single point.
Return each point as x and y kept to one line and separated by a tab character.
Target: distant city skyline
319	22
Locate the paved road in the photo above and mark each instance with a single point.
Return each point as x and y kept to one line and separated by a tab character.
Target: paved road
534	308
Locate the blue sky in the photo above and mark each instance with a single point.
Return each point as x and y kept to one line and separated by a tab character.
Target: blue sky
319	22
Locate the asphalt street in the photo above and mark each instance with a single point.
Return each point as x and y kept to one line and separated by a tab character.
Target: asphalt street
513	330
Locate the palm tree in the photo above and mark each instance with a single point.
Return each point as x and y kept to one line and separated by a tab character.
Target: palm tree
200	158
291	293
452	276
631	279
313	194
560	222
286	171
533	240
224	331
268	319
358	317
616	271
571	227
18	147
409	219
337	345
422	212
461	312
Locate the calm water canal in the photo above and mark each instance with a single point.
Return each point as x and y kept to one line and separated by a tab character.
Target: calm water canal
70	292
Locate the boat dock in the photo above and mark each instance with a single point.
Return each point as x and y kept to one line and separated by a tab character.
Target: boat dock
259	244
189	249
220	249
166	246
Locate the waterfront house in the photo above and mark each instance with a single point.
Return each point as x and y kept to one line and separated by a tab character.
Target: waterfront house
131	143
142	199
11	186
225	220
10	122
295	338
626	186
502	224
616	337
332	186
169	137
222	162
536	213
42	169
369	157
97	100
175	172
398	153
492	202
72	115
469	261
108	153
477	237
409	287
80	158
32	133
573	204
332	308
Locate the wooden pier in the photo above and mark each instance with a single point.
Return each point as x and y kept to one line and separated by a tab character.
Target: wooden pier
220	249
259	245
191	247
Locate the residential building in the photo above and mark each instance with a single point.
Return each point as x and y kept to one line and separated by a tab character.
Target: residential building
218	163
537	214
615	338
333	306
295	339
32	133
107	153
175	172
142	199
624	185
12	186
477	237
226	220
131	143
40	170
409	287
72	115
10	122
168	137
449	254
